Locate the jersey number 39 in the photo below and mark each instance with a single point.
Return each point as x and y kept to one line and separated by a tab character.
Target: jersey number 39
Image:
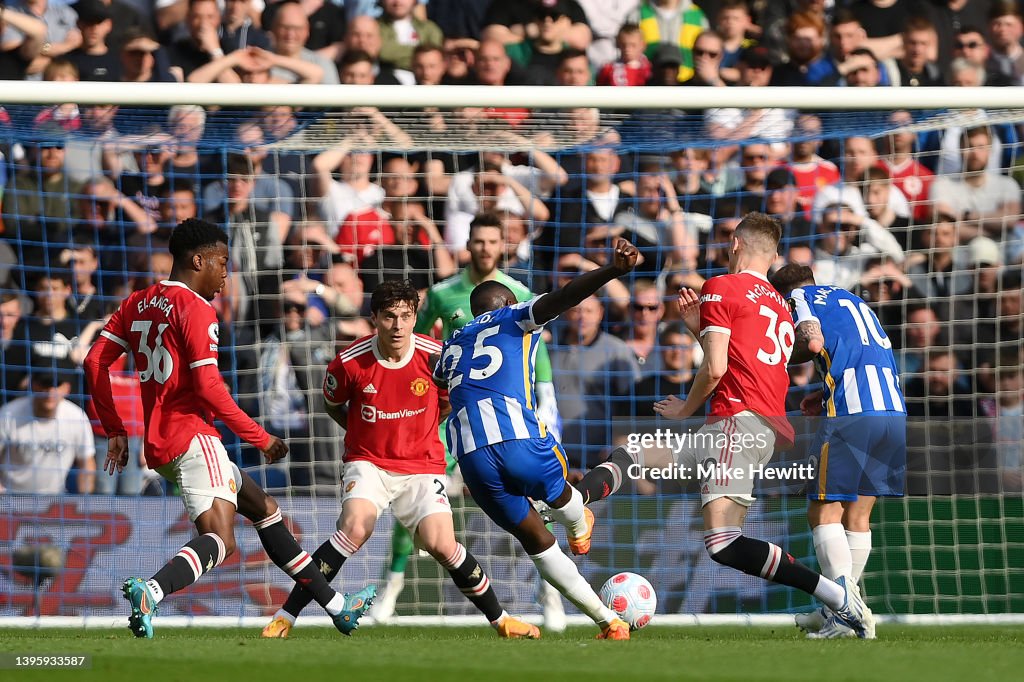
781	335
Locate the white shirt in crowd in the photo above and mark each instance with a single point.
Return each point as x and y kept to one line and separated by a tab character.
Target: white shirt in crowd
36	454
342	199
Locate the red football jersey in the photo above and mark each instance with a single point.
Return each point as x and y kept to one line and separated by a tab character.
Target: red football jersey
172	333
812	176
761	331
393	409
915	181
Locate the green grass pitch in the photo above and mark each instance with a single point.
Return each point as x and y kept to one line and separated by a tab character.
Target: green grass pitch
477	655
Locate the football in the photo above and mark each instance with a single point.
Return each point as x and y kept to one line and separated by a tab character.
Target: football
632	597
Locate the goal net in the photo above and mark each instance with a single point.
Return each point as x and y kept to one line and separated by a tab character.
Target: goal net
914	204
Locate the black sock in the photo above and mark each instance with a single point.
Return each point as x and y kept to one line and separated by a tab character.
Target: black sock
285	552
606	478
729	547
471	580
197	557
328	559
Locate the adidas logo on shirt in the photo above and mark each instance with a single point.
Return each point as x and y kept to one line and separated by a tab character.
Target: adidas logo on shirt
369	389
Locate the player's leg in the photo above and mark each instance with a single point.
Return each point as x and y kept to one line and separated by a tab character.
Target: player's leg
281	546
606	478
825	517
856	521
747	443
484	473
565	502
436	533
364	496
208	490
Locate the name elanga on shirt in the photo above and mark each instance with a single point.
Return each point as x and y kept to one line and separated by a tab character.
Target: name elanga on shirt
161	303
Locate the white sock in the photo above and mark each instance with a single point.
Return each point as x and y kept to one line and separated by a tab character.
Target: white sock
281	613
860	550
832	550
496	623
396	577
571	515
335	606
154	587
560	571
830	593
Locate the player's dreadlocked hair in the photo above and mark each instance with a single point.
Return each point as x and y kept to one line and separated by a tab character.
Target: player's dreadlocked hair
488	296
391	292
790	277
193	234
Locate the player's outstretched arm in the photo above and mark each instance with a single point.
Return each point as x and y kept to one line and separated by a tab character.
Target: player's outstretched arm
550	306
214	394
97	373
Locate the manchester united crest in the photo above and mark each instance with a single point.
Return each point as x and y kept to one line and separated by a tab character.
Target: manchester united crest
419	387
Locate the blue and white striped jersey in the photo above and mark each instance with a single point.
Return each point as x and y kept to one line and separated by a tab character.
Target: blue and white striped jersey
856	362
489	368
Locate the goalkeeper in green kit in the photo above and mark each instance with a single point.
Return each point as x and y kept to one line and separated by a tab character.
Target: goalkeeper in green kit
449	302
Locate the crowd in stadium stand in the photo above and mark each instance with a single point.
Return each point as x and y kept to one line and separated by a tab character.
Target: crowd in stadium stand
925	226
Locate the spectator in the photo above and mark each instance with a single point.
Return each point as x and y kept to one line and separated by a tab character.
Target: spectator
21	41
352	192
943	272
289	31
37	206
805	46
237	30
846	242
606	18
1009	421
95	150
257	252
42	436
543	56
401	31
203	43
987	203
632	66
671	22
944	391
976	311
428	65
292	359
755	70
910	177
949	17
716	253
972	45
666	63
492	65
862	69
707	53
356	68
641	331
61	37
507	22
923	330
84	262
177	203
654	222
327	25
917	66
67	116
593	371
859	154
459	19
125	19
139	60
12	308
781	203
876	190
733	22
144	187
256	65
1006	28
676	348
364	35
811	171
882	19
498	186
94	58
